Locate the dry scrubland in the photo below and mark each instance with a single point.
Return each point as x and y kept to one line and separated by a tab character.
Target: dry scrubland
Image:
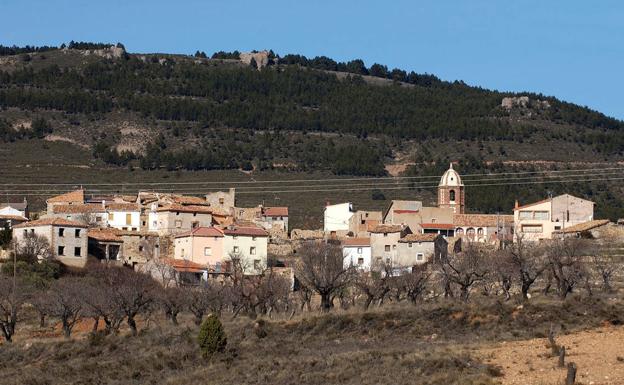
435	342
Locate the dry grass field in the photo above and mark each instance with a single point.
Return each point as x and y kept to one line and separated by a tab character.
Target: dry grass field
437	342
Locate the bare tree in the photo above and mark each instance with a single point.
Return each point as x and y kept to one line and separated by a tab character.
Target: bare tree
13	295
64	303
529	261
321	269
99	303
32	248
503	270
133	292
173	301
466	268
564	256
209	296
414	283
374	286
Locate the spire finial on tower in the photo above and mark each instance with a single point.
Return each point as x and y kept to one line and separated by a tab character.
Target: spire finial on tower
451	167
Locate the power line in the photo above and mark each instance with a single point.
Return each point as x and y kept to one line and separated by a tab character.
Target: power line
283	181
551	178
411	187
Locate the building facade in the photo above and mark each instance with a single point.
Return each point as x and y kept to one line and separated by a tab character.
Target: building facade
539	220
336	217
357	253
68	239
451	191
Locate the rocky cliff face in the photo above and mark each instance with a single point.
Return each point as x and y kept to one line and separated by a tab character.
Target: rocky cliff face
261	58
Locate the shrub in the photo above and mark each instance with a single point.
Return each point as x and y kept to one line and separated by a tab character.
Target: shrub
211	338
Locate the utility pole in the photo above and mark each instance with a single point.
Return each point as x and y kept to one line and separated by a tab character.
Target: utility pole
14	265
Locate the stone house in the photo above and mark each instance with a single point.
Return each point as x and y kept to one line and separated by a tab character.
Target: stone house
68	239
417	249
71	198
247	243
224	201
176	218
133	248
384	240
362	221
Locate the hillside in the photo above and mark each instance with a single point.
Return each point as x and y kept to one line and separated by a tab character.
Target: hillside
98	108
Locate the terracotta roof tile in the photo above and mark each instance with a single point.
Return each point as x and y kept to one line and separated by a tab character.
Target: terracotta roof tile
78	209
532	204
387	229
275	211
105	235
439	226
202	232
482	220
585	226
252	231
356	242
76	196
51	222
189	200
114	206
185	266
419	238
185	209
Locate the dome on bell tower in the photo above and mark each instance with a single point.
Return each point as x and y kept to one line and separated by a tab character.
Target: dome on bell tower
451	178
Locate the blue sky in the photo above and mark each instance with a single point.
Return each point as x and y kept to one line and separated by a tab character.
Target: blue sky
571	49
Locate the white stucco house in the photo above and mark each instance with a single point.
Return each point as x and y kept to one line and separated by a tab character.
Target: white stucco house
357	253
337	217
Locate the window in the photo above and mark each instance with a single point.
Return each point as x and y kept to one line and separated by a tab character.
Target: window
154	224
32	231
359	250
419	256
182	253
532	229
195	224
557	227
543	215
360	261
98	219
143	223
253	238
128	219
25	233
77	233
363	221
221	201
387	248
452	195
525	215
77	251
256	264
252	251
235	249
385	234
393	247
61	250
409	244
480	231
111	217
177	213
207	251
178	224
140	248
61	232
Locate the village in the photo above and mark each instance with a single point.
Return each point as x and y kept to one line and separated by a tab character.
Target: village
197	239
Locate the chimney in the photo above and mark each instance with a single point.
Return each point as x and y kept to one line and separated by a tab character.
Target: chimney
516	205
103	204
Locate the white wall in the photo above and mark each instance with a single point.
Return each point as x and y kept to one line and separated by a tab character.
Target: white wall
337	217
353	253
244	243
118	220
